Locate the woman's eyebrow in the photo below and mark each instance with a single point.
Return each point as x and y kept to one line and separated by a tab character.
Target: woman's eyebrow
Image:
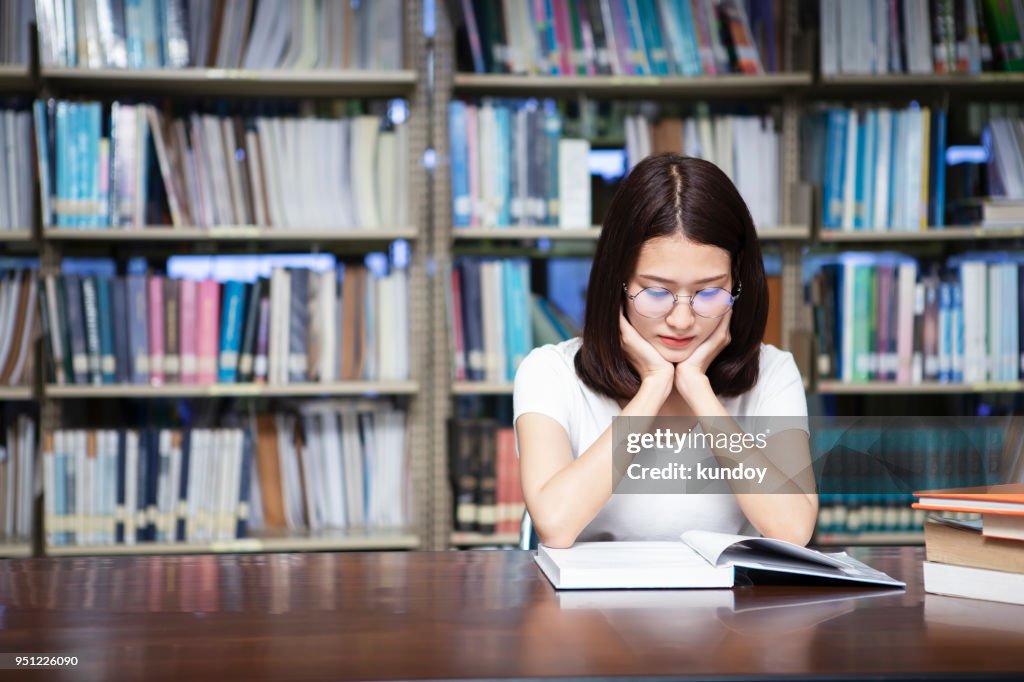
662	280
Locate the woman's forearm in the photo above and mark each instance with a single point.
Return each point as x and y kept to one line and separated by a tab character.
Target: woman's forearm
574	496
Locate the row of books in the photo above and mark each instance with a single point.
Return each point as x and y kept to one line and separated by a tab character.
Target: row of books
980	558
95	165
16	16
879	317
292	325
882	169
746	148
16	167
510	166
618	37
338	464
229	34
19	323
18	477
484	470
921	36
495	320
333	465
867	475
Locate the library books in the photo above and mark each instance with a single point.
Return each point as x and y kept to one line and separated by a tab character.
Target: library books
746	148
94	166
19	323
511	166
337	464
16	16
964	559
702	559
484	470
288	325
18	478
15	170
886	317
921	37
991	212
495	320
228	34
617	37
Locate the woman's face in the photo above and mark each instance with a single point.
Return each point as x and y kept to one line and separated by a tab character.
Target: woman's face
684	268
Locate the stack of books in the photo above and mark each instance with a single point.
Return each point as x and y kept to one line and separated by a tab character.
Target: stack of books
980	559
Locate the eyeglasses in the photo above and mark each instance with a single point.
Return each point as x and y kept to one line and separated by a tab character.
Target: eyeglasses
658	302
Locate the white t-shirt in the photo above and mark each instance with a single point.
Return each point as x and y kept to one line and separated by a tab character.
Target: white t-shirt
546	383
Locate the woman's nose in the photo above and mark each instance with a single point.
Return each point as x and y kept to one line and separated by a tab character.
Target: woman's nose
681	316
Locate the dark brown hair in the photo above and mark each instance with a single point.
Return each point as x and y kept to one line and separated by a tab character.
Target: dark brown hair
667	195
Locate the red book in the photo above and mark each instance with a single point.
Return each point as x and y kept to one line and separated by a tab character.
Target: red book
208	332
187	308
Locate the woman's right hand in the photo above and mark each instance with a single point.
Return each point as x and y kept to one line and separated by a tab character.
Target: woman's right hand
644	357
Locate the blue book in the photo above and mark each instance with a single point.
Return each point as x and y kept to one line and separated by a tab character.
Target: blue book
459	150
122	340
472	318
107	320
503	163
62	190
691	65
60	493
938	174
90	135
957	346
657	55
42	113
231	331
138	328
134	34
637	48
835	148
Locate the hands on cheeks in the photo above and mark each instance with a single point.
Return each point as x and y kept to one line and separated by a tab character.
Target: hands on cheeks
686	375
693	370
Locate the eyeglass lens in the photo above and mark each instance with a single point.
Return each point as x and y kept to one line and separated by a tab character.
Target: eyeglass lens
658	302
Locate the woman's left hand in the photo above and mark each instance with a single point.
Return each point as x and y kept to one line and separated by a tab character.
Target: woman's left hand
692	371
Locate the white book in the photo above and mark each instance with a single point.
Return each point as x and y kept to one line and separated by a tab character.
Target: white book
387	179
334	478
363	169
355	481
573	184
883	159
703	559
973	583
131	484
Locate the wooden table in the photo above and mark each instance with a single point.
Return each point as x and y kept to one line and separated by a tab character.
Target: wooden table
483	614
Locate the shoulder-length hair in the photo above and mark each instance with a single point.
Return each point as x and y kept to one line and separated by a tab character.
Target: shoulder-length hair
666	195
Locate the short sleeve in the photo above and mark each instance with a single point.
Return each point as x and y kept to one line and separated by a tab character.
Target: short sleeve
782	398
543	384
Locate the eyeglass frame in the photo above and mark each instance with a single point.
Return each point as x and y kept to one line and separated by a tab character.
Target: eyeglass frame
676	297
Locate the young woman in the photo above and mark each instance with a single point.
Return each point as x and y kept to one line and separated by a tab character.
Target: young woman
676	308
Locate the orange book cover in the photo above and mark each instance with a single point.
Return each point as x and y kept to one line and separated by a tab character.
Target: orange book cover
1007	498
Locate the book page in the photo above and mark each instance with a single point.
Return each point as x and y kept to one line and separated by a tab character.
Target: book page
712	546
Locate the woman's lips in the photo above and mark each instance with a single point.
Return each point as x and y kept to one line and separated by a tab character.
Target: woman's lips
676	342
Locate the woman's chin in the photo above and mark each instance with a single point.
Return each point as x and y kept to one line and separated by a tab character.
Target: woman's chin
674	355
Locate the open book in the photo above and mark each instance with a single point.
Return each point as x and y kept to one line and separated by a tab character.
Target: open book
702	559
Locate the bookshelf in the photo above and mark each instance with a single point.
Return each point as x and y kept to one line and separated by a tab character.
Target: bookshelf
236	390
228	234
181	86
15	78
730	85
795	91
782	90
259	541
231	82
